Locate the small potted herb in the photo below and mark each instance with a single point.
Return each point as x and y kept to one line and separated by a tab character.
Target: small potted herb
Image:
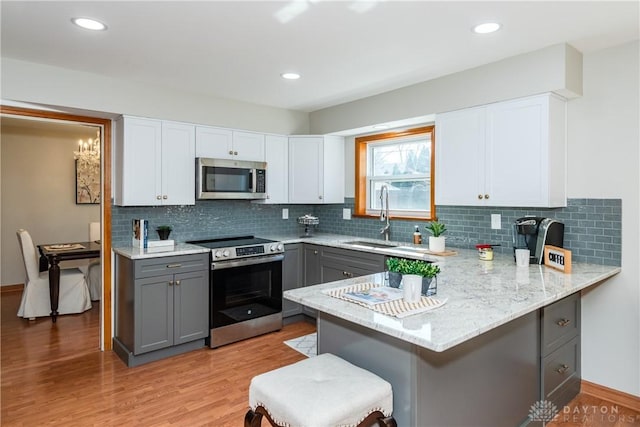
401	267
436	240
164	231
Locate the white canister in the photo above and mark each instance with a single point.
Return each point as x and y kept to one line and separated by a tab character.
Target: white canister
412	287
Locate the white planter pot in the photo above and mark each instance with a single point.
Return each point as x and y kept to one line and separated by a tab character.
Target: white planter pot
436	244
412	287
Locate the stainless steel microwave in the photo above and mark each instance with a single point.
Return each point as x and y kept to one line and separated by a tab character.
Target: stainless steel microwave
230	179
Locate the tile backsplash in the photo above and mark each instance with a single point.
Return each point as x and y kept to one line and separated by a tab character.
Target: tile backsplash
593	227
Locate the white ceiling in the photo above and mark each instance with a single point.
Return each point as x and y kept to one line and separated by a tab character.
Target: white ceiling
345	50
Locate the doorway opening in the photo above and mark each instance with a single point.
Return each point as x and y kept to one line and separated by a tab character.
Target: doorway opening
51	119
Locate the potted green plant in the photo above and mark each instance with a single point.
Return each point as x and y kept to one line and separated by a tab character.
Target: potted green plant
164	231
436	240
399	268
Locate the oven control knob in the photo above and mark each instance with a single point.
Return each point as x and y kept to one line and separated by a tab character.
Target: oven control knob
272	248
225	253
280	247
218	254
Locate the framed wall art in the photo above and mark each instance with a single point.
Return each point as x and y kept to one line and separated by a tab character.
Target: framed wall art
87	182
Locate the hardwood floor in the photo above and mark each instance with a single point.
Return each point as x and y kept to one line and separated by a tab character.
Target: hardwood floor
55	374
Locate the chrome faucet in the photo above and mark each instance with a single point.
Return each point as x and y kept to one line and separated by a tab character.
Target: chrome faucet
384	211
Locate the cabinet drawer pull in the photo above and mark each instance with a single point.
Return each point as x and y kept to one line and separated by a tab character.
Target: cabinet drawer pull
174	265
562	369
563	322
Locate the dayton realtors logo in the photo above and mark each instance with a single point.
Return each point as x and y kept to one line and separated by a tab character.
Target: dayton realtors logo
543	410
546	411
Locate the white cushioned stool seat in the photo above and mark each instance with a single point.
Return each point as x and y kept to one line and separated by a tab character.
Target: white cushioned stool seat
320	391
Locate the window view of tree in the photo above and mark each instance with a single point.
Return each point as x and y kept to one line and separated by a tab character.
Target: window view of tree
403	162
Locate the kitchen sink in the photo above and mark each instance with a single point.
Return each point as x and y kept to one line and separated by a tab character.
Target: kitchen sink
364	244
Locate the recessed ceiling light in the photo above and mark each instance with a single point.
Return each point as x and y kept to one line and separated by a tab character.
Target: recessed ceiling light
89	24
290	76
487	27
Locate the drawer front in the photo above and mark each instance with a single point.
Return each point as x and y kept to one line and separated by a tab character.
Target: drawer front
171	265
560	323
561	369
372	263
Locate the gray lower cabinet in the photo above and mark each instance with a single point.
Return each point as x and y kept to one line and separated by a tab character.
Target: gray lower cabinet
311	268
322	264
560	351
292	276
162	306
340	264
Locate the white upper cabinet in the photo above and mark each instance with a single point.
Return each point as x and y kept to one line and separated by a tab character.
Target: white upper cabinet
316	169
248	146
277	158
510	153
154	162
178	164
217	143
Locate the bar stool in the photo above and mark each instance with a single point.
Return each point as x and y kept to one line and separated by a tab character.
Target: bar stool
321	391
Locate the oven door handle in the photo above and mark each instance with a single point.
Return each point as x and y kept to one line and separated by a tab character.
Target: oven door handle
221	265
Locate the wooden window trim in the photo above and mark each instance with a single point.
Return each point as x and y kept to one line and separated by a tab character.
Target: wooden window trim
361	144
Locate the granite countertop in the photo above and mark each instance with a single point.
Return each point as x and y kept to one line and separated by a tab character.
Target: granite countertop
161	251
481	295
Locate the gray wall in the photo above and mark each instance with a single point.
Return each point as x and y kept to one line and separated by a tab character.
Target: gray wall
556	68
36	83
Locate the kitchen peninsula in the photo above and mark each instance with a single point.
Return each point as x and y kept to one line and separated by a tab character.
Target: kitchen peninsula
506	338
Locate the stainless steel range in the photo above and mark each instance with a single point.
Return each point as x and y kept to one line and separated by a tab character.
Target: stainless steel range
245	287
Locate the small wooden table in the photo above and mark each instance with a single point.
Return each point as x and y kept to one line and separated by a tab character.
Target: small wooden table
54	256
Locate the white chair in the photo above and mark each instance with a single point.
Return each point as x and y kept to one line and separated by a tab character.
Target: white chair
93	270
94	273
74	293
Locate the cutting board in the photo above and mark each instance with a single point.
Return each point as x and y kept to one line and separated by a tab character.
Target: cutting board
445	253
428	252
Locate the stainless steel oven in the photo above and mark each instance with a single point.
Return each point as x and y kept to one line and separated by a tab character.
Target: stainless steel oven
245	288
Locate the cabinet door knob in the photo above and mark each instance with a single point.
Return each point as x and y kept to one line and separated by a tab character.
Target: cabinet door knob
315	252
235	153
344	273
562	369
231	152
165	197
486	196
159	197
170	282
320	197
563	322
479	196
177	282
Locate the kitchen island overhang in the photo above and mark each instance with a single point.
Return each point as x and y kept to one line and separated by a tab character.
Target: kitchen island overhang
474	361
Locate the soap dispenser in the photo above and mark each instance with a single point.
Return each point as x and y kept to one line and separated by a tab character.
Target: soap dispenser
417	237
